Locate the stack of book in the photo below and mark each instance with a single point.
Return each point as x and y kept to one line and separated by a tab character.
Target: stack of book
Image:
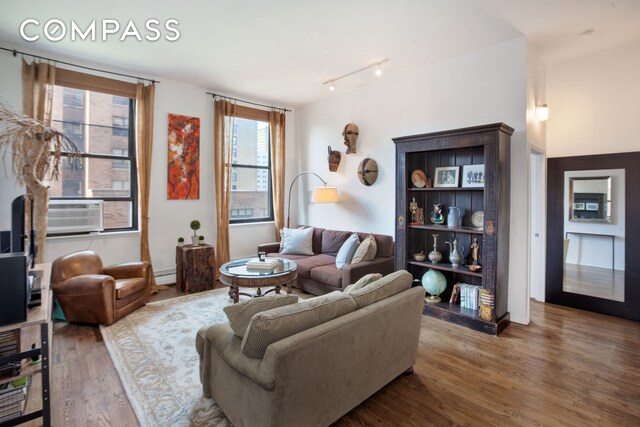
267	264
9	344
13	398
467	295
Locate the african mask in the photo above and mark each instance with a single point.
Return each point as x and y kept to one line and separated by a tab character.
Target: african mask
334	159
350	134
368	171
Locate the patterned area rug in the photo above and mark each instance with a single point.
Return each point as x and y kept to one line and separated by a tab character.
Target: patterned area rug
153	350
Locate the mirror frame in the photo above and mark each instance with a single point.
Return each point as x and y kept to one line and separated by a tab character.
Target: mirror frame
571	202
556	197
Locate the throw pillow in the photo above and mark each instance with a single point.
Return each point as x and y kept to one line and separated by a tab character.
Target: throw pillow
276	324
345	254
297	241
362	282
240	314
389	285
366	250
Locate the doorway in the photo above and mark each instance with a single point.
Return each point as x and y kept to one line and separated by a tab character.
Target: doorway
537	238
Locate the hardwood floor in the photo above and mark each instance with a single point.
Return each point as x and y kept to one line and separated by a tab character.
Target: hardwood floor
568	367
594	281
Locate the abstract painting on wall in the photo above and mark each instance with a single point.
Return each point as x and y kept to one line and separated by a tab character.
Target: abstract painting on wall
183	180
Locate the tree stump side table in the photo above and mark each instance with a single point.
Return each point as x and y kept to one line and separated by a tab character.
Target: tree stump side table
195	268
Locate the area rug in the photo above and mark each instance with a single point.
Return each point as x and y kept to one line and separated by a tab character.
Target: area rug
153	350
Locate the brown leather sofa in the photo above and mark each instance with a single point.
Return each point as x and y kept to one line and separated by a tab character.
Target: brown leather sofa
318	274
90	293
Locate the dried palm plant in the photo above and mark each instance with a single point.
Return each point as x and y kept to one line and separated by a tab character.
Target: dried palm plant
36	149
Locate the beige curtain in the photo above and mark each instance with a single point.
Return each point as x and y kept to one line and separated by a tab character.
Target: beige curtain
144	132
37	101
277	123
224	113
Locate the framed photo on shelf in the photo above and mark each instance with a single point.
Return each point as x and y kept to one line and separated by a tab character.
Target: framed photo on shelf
578	206
447	176
473	176
591	206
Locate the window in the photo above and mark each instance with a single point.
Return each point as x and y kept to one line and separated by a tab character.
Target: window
120	126
251	170
101	125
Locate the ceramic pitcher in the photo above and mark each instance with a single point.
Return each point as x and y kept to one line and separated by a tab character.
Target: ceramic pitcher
455	257
453	219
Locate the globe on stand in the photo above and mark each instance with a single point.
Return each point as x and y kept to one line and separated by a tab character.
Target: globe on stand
434	283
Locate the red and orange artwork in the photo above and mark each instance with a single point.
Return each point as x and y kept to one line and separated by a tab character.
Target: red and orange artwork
183	180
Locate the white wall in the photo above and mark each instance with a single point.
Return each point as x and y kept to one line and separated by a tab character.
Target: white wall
593	103
168	219
485	86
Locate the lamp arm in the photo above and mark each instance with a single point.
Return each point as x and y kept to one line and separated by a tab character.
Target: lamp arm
291	187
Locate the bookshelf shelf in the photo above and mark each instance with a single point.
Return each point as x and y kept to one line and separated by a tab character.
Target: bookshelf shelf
481	148
37	375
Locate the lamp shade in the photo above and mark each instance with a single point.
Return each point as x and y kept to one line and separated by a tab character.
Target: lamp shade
325	195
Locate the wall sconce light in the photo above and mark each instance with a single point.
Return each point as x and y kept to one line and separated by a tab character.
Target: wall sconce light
378	72
542	112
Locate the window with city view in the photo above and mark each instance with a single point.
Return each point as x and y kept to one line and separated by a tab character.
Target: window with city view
100	125
251	172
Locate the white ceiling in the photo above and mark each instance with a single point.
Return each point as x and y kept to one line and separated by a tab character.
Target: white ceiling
280	51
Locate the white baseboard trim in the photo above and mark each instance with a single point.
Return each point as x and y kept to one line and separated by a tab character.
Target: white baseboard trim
519	319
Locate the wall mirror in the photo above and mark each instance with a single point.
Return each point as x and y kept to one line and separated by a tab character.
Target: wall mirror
590	199
594	234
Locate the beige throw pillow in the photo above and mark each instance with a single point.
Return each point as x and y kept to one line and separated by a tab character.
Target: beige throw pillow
240	314
362	282
273	325
366	250
389	285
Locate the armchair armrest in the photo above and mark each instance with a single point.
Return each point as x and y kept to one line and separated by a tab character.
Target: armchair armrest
269	248
352	272
87	298
127	270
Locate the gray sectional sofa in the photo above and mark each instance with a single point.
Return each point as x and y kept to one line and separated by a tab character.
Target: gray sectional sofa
319	373
317	274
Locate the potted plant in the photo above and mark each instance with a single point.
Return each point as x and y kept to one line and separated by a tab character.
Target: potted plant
195	226
180	241
201	239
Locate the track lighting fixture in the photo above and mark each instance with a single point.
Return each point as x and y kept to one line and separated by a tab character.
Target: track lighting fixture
378	72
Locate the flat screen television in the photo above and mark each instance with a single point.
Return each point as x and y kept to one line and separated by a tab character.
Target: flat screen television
23	235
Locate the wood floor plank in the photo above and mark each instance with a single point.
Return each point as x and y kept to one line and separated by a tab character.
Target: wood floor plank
568	367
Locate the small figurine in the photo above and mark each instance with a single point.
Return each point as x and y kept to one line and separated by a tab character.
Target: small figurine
475	251
436	216
413	208
420	216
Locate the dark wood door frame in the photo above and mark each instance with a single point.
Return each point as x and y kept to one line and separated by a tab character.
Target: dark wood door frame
556	167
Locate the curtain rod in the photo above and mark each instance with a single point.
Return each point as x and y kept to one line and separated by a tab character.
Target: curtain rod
16	52
247	102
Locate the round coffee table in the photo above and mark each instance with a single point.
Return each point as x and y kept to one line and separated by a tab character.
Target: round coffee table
236	275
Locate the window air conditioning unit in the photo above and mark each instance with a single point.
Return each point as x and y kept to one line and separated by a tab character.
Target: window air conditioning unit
74	216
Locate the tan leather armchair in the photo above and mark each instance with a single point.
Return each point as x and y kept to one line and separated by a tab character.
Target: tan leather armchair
90	293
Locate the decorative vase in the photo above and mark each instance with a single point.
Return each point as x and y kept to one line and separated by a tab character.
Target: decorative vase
454	217
195	240
434	283
454	256
435	256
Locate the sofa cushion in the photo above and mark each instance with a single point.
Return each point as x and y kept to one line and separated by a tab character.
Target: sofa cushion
362	282
348	248
390	284
305	265
273	325
297	241
126	287
366	250
240	314
384	244
332	241
328	275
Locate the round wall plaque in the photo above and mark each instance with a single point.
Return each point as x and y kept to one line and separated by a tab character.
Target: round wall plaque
368	171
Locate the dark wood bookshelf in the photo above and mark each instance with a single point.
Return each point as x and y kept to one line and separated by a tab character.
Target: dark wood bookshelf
486	145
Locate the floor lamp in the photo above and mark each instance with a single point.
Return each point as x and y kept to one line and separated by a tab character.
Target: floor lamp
320	194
